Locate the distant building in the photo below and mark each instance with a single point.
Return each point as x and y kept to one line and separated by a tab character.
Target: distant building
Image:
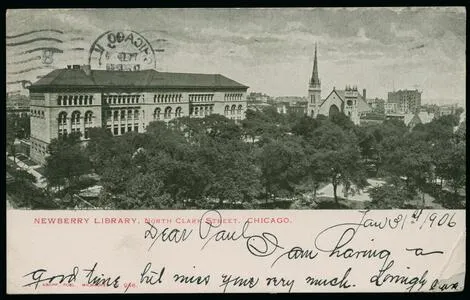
408	101
257	106
348	101
297	108
258	97
377	105
372	118
17	104
448	109
391	108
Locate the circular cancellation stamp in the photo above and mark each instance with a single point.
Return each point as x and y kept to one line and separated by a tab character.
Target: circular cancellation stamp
121	51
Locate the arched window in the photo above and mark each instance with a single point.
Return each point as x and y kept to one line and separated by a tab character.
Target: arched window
157	113
62	118
88	123
88	118
178	112
196	111
240	108
167	112
65	100
226	110
62	123
59	100
232	111
76	118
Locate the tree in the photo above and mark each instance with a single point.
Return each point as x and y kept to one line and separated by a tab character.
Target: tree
282	164
450	162
387	196
67	161
339	157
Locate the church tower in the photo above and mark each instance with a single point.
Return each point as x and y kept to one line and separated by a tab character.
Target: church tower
314	89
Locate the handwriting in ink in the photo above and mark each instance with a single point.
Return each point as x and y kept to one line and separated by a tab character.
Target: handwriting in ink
297	253
181	278
411	281
260	245
239	281
37	277
100	280
436	284
148	276
166	235
419	252
280	282
335	281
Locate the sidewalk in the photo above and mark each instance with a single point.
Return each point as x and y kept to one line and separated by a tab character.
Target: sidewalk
40	180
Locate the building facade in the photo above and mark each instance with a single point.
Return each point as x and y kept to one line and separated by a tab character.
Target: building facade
76	99
407	101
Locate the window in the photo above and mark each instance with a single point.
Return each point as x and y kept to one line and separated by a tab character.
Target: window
240	108
227	108
196	111
123	129
88	118
129	114
136	114
91	99
136	128
75	98
167	113
59	100
62	118
116	130
75	118
232	111
123	114
62	123
156	114
70	100
80	100
115	115
129	128
178	112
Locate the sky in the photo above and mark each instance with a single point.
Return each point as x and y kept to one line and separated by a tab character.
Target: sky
269	50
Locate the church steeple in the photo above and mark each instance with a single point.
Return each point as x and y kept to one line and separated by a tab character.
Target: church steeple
315	80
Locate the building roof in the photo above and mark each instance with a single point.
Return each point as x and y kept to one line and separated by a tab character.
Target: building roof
146	78
362	105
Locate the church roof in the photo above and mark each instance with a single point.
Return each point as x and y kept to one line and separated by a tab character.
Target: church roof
315	80
362	104
140	79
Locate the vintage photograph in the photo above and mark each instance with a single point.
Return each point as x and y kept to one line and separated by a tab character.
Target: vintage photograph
236	108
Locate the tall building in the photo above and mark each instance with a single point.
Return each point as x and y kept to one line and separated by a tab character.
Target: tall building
407	101
348	101
77	98
314	89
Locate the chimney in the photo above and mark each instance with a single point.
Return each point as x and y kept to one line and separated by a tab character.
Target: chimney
86	69
364	94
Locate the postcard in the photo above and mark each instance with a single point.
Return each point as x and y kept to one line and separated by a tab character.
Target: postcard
236	150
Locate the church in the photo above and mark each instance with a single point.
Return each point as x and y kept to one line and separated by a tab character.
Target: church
348	101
